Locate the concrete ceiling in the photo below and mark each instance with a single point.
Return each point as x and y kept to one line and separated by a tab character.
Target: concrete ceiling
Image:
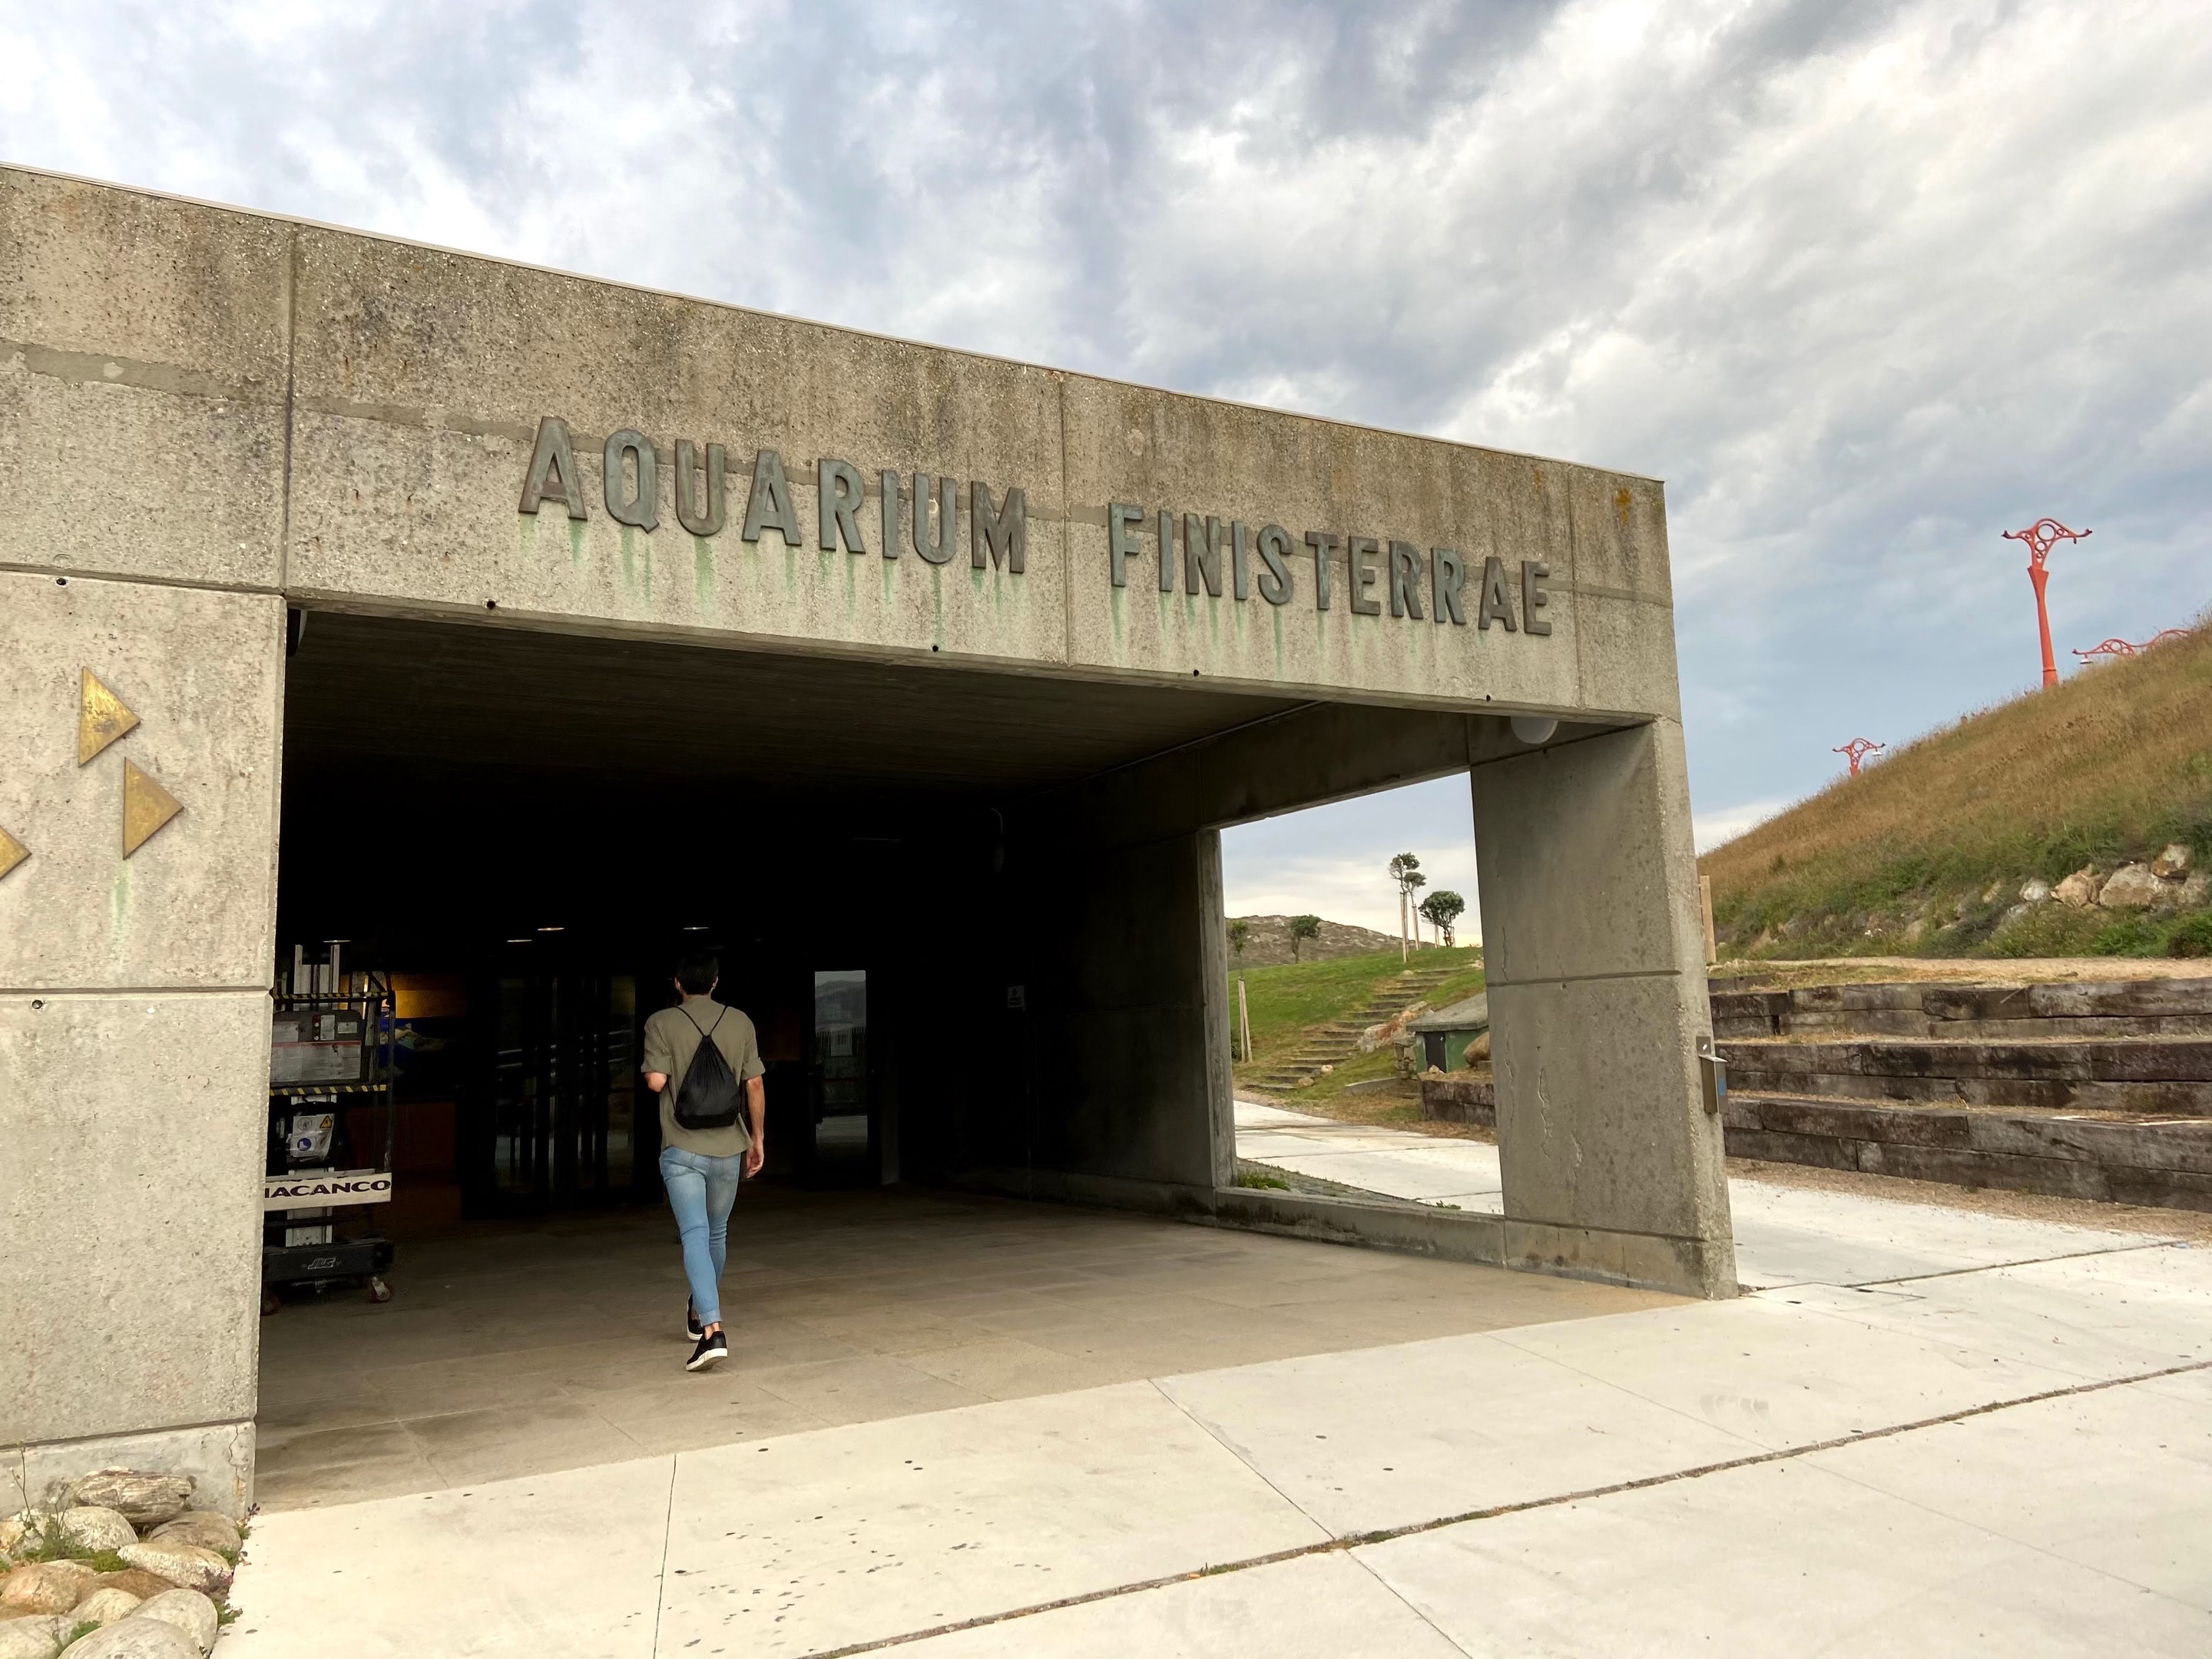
457	695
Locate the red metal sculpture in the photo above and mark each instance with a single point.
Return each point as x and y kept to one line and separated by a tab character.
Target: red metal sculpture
1857	750
2122	648
2109	649
2041	536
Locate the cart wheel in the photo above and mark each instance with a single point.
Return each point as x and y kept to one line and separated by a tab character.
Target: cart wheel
270	1303
378	1289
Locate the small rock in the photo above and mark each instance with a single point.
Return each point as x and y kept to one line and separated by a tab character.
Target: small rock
185	1565
33	1638
1996	891
2132	887
2172	862
143	1499
205	1527
103	1607
90	1528
45	1586
2014	914
16	1530
133	1581
2079	891
188	1610
2034	891
136	1638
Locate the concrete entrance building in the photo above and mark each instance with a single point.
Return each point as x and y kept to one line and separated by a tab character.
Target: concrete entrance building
357	589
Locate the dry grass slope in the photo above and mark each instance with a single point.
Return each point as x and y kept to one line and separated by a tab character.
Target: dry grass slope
2107	766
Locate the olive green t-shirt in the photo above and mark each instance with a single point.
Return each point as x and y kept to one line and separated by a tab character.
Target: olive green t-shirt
671	1037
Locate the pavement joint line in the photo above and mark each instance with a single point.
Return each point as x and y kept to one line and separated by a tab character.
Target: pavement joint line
667	1541
1416	1529
1999	1266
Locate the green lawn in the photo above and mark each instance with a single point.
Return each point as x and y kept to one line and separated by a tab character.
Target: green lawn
1288	1002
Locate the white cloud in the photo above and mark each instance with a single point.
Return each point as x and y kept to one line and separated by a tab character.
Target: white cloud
1867	283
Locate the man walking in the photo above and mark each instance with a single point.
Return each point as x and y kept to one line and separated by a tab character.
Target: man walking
703	1060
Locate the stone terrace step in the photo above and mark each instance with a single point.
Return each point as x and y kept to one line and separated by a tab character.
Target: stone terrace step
2170	1076
2146	1007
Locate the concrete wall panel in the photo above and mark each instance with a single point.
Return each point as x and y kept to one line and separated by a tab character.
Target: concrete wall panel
129	1218
1157	450
142	363
422	377
195	905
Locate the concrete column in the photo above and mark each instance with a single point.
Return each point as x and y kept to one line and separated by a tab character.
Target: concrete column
134	1031
143	353
1613	1168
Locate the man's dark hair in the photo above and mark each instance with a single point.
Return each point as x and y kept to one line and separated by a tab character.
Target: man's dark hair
697	973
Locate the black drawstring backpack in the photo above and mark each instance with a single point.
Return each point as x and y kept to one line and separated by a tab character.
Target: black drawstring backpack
708	1096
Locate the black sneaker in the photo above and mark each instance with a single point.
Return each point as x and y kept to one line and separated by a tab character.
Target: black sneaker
711	1351
691	1327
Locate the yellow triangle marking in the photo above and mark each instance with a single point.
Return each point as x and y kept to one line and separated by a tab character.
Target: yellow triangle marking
146	808
12	853
101	718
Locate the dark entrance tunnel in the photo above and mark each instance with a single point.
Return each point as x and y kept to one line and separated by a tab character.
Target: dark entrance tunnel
528	829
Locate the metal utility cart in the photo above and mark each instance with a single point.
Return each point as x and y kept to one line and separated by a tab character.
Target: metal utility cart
331	1052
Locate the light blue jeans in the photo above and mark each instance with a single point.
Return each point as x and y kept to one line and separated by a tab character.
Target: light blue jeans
700	1190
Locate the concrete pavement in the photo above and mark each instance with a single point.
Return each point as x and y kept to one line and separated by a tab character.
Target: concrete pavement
2005	1447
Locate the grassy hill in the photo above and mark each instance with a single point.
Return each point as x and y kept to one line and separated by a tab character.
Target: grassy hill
1289	1003
1926	852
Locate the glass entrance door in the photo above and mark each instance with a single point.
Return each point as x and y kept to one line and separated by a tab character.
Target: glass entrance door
844	1148
553	1119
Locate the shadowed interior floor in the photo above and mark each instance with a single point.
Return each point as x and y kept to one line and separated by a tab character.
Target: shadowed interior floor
518	1348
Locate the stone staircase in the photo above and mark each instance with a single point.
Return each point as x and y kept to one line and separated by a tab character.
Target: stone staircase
1339	1040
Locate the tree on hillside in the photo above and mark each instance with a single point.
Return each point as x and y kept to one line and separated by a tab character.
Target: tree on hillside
1240	935
1303	927
1405	870
1443	908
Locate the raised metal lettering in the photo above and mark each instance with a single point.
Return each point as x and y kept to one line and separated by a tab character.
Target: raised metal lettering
1003	534
1533	598
1496	603
1446	576
1122	519
770	505
1201	554
1240	558
1274	545
552	475
839	496
1324	545
1167	551
642	509
1359	553
1405	580
888	482
937	550
699	519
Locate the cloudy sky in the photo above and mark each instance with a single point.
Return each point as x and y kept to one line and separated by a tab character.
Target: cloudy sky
1865	284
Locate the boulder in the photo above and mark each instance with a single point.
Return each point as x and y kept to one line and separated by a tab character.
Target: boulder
2172	862
186	1565
2195	893
1477	1052
33	1638
103	1607
136	1639
133	1581
45	1586
188	1610
210	1530
2132	887
142	1498
2079	891
2034	891
90	1528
